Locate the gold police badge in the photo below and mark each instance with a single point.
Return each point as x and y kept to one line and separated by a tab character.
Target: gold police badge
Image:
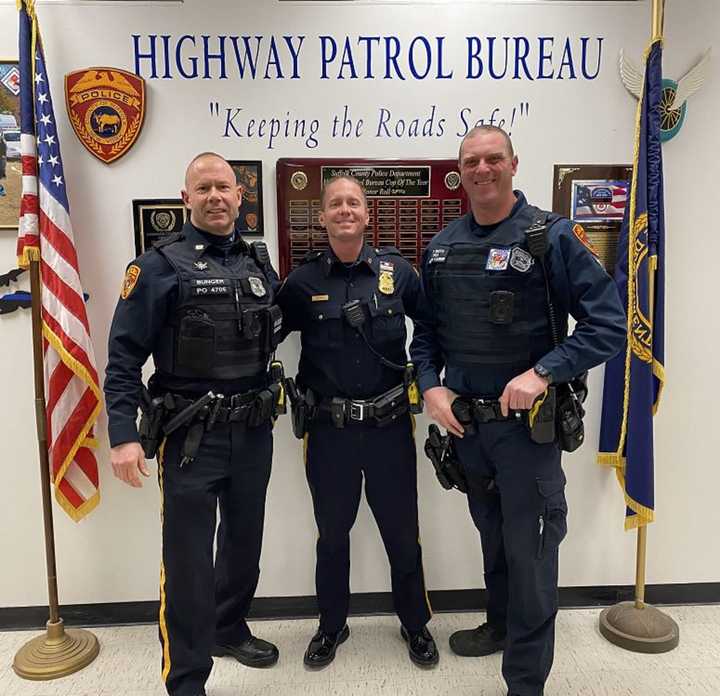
106	108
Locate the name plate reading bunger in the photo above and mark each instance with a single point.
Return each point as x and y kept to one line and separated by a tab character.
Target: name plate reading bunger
409	202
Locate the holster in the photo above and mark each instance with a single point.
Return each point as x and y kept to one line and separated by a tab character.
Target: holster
150	423
439	449
542	416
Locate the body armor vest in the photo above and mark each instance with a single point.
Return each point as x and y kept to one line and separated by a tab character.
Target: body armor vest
224	325
489	298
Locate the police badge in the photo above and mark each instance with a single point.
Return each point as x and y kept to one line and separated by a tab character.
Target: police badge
257	287
386	278
521	260
106	108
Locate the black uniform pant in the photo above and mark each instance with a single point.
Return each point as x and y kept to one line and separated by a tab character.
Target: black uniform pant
201	604
517	502
337	461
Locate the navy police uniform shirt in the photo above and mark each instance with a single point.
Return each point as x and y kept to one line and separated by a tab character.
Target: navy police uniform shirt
579	285
334	359
146	305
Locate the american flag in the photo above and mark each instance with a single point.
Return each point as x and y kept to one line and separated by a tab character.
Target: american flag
72	389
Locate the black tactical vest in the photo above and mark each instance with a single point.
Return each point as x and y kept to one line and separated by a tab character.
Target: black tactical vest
489	298
225	325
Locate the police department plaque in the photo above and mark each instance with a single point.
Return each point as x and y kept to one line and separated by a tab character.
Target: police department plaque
156	218
409	201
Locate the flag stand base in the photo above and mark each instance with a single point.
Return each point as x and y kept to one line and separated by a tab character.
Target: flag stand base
56	654
644	629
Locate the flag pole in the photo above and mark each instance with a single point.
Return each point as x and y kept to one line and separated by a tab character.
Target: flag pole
637	626
58	652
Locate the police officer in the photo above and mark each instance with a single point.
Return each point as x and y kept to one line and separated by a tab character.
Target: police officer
485	320
201	302
349	303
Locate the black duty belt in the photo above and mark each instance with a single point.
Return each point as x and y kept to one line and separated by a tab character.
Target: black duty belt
226	409
480	411
380	410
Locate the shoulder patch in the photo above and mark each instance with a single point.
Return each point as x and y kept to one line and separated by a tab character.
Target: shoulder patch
130	281
313	255
579	232
170	239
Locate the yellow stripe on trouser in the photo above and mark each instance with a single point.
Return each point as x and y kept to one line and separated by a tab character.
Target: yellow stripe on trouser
163	600
427	598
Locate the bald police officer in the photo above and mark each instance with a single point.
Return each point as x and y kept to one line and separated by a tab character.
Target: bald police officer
484	319
201	302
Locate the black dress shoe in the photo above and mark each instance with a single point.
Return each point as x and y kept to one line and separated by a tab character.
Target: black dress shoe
321	650
253	652
476	642
421	647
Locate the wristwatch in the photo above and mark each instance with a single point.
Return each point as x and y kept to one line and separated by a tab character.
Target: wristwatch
543	372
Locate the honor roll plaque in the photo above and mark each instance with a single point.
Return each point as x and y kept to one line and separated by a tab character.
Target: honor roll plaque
409	202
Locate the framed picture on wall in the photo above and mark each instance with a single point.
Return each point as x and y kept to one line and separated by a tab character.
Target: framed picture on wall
595	195
248	174
10	166
155	218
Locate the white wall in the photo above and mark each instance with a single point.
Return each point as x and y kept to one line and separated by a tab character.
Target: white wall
113	554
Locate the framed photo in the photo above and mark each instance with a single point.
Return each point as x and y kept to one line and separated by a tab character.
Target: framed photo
155	218
248	174
10	166
595	195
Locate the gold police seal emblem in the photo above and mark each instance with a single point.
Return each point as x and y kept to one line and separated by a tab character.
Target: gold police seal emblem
106	108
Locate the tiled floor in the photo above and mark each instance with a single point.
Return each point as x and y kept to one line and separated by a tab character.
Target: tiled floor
374	661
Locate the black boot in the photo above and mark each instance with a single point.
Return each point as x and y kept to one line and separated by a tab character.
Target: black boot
321	650
476	642
421	647
253	652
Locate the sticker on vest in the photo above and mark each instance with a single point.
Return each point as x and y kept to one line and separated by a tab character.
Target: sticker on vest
257	287
497	260
521	260
438	255
130	281
201	265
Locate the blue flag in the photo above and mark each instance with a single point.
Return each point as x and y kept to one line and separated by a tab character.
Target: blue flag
634	379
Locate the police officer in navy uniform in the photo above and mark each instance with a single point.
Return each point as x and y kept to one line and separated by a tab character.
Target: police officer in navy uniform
349	303
201	303
485	321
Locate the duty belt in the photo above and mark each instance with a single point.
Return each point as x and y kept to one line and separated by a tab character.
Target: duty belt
222	409
380	410
470	410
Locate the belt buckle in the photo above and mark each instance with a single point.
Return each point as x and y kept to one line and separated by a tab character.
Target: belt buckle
357	410
483	411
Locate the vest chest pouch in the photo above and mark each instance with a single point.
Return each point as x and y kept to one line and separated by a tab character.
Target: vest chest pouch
196	341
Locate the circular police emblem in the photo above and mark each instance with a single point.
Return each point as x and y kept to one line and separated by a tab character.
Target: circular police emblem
162	220
521	260
107	123
452	180
256	286
299	181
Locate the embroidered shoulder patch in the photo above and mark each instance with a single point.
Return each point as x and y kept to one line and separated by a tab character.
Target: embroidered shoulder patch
581	234
130	281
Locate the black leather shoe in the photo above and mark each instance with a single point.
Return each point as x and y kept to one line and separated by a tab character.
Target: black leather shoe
253	652
321	650
421	647
476	642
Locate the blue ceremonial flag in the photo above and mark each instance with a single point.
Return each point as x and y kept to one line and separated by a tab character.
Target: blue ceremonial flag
634	379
